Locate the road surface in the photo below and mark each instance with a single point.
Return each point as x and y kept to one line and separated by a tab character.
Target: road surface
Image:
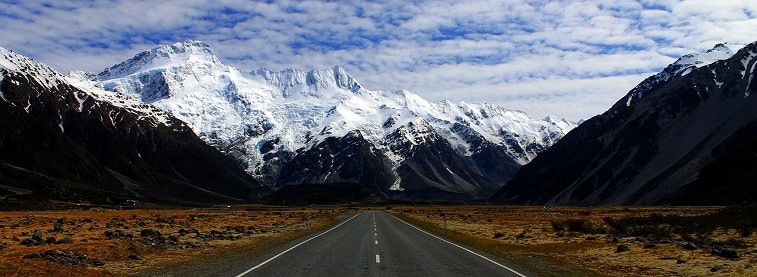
375	243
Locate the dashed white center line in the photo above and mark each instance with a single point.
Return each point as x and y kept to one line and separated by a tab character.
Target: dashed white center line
375	236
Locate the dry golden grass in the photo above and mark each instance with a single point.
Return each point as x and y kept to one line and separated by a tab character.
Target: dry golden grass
528	231
185	235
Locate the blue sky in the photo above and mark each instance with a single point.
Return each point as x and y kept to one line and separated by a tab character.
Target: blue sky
570	59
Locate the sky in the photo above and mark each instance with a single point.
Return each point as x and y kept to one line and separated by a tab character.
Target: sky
571	59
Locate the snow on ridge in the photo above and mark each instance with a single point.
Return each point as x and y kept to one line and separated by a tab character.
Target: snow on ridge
51	78
293	82
681	67
43	74
84	81
163	55
720	51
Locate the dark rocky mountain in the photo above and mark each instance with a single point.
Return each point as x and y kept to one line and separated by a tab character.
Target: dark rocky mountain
729	180
58	141
326	194
349	159
685	135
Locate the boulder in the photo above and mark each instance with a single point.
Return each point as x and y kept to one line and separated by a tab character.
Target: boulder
39	236
622	248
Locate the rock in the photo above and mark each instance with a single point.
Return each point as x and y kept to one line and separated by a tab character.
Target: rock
725	252
650	246
117	234
39	236
58	227
615	239
690	246
622	248
135	257
716	268
169	220
706	242
150	233
65	257
29	242
95	262
50	240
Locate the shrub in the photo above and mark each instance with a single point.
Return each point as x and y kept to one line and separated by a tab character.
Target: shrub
579	225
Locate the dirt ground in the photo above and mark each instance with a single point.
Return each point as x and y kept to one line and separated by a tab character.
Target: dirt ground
101	242
530	231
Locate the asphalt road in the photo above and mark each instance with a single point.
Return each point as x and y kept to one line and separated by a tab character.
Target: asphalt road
375	243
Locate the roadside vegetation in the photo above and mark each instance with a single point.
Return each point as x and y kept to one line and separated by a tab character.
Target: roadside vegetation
603	241
97	241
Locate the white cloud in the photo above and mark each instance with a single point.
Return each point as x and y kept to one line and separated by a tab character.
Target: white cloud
567	58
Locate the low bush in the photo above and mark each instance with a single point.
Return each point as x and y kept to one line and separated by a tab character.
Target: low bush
697	228
579	225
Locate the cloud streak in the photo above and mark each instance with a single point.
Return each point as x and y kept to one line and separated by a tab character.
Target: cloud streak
566	58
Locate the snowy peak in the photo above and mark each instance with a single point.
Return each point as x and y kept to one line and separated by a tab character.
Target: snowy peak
163	55
681	67
686	63
313	83
561	123
14	62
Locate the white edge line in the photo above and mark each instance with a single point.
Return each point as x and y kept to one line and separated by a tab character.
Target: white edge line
293	247
463	248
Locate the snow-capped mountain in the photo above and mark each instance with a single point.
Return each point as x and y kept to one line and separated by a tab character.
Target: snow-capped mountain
651	147
291	127
67	141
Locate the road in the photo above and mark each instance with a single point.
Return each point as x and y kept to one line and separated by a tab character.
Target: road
375	243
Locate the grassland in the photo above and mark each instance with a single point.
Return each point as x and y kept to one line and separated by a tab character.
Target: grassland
102	242
571	241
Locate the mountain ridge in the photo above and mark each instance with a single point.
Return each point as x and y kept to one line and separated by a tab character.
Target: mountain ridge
265	119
